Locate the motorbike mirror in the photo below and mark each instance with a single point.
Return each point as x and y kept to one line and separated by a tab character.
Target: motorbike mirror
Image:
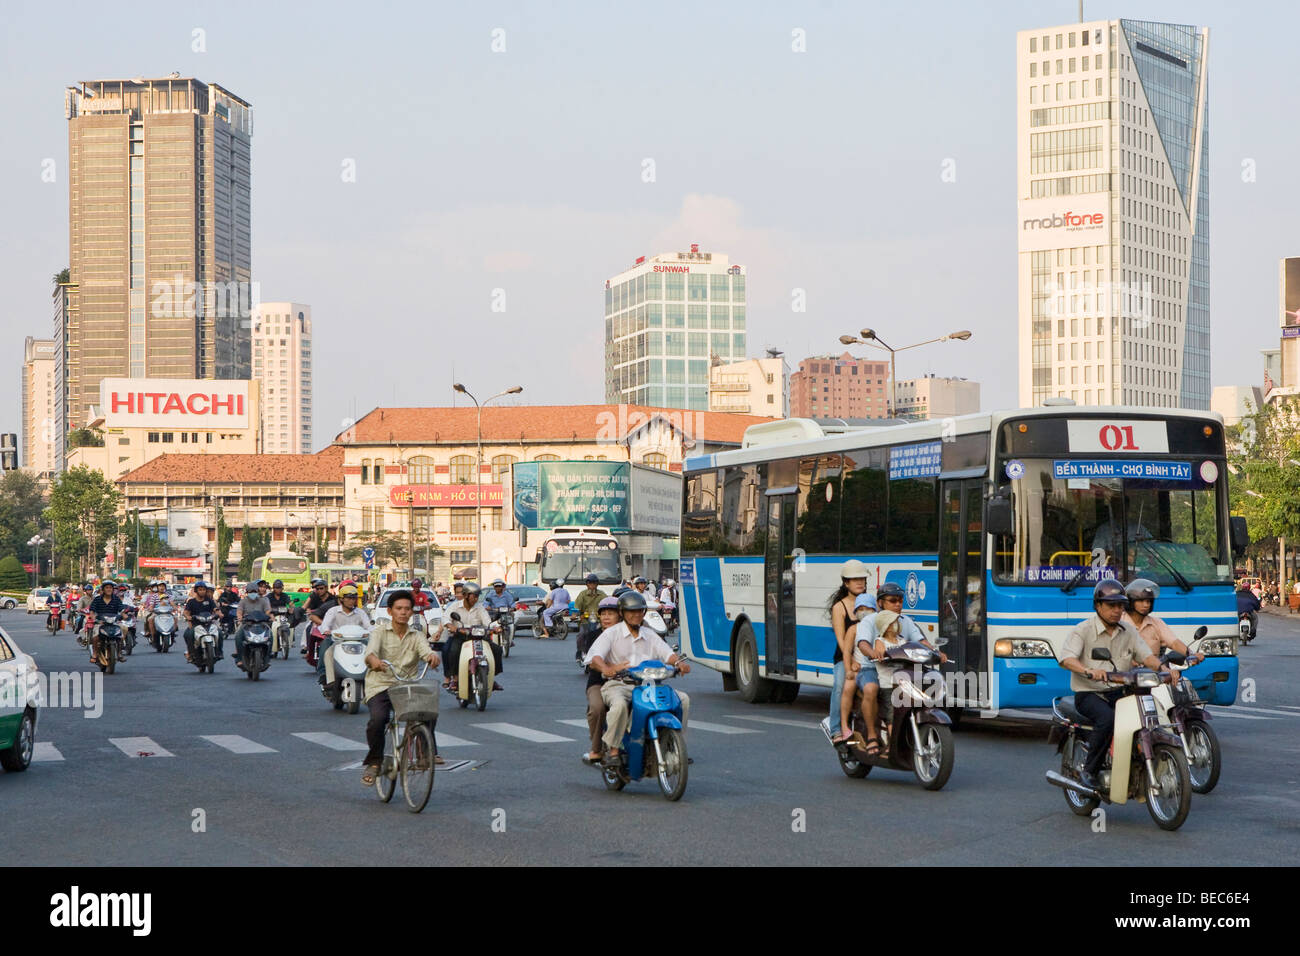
455	615
939	641
1100	654
1173	657
1200	632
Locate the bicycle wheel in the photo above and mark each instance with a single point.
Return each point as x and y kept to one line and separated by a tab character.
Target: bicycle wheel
416	766
386	779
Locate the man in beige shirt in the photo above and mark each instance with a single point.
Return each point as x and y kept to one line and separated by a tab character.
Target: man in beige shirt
1093	697
405	647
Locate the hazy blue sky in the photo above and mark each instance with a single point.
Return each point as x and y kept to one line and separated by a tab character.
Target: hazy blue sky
521	170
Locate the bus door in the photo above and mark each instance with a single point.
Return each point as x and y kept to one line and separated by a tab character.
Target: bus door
779	578
961	574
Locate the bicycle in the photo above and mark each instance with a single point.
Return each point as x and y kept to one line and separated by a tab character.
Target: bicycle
410	755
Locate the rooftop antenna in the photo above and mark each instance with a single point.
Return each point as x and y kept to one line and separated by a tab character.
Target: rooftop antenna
1080	11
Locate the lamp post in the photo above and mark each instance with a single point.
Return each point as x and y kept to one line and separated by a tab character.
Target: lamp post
478	473
869	337
35	542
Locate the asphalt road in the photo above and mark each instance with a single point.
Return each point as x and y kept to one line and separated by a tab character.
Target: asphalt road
272	790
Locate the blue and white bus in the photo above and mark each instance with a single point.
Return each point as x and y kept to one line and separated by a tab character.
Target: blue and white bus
1075	494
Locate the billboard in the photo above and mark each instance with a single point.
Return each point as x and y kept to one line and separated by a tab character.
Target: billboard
178	564
602	494
170	403
1063	221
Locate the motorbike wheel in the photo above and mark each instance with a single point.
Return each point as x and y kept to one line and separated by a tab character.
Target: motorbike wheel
672	769
481	694
352	706
259	663
933	763
852	767
110	666
506	641
463	701
417	766
1170	807
386	779
613	779
286	647
209	660
1079	804
1205	766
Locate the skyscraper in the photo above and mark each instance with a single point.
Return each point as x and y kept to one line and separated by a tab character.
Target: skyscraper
827	386
38	406
1113	224
665	318
282	363
159	233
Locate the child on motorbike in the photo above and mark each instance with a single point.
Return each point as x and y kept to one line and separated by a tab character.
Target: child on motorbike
861	668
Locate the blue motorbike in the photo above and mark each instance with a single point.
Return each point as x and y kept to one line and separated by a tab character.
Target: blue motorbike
655	744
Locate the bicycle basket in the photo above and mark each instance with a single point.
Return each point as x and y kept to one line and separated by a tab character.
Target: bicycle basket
413	702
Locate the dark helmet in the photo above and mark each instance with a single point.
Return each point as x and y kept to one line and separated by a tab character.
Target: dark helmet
260	582
1109	591
639	580
317	582
890	589
1142	589
591	578
471	587
608	604
200	584
277	583
631	601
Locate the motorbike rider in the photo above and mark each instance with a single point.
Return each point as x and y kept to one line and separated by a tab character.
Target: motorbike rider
54	604
666	593
1249	605
346	612
201	603
422	602
317	605
498	598
253	602
618	648
107	602
853	582
607	612
472	614
280	601
1142	594
1094	698
588	603
639	584
82	605
557	601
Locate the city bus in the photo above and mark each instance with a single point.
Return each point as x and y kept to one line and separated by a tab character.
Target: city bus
336	574
290	568
996	525
569	554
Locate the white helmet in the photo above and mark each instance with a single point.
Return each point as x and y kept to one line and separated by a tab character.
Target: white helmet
668	583
560	583
854	569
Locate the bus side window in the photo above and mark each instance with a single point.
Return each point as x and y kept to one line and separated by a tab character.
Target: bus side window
819	505
864	501
700	526
743	515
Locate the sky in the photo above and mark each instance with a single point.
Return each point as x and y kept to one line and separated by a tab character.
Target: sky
416	163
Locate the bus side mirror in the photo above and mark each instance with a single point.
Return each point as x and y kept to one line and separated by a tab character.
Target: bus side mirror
1240	537
999	516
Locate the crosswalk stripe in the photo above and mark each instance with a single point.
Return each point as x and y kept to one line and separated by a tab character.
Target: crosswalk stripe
720	728
574	722
447	740
1259	710
139	747
1231	713
332	741
237	744
523	733
46	753
806	725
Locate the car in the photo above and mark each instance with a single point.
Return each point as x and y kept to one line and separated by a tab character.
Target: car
36	599
19	708
8	603
379	610
528	603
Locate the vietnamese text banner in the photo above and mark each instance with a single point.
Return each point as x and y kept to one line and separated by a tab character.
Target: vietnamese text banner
915	461
1160	470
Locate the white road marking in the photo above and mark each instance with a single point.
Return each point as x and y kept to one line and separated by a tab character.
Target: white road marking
447	740
46	753
783	721
523	733
332	741
574	722
720	728
139	747
1229	713
237	744
1239	709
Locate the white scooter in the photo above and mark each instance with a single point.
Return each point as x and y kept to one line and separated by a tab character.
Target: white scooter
477	666
346	658
654	618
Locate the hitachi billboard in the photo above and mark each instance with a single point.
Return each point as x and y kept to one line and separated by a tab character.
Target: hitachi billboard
179	404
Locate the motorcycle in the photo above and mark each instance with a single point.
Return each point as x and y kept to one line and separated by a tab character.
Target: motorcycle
669	612
506	619
257	644
916	732
54	620
110	642
127	620
476	670
655	743
164	627
1244	628
588	631
348	656
282	629
1182	708
1145	762
654	619
204	655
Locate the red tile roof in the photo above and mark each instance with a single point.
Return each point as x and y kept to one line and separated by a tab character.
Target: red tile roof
324	467
537	423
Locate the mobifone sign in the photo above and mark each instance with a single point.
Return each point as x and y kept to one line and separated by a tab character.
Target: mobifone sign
1063	221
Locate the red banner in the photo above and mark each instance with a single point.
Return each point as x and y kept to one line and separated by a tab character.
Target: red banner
179	564
29	568
445	496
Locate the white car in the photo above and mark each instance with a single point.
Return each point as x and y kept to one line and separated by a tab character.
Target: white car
18	707
379	610
8	603
36	600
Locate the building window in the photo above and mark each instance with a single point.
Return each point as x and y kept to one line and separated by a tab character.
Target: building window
168	437
462	470
365	470
547	458
377	475
501	467
462	557
493	516
420	470
657	459
462	521
153	438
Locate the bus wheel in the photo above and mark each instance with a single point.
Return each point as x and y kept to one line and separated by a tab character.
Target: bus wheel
785	692
753	688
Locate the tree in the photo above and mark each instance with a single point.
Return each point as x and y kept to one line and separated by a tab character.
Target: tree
13	576
1265	484
62	277
83	514
255	543
21	505
152	544
85	438
225	537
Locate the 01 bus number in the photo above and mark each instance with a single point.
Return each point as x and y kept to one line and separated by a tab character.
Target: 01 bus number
1117	438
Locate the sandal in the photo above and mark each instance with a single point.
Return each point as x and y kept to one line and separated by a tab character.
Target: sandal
871	747
368	776
438	760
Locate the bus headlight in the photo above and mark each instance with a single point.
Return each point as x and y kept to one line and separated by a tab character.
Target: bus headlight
1218	647
1022	647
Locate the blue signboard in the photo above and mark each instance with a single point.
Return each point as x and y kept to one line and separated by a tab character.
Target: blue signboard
1166	470
1061	575
915	461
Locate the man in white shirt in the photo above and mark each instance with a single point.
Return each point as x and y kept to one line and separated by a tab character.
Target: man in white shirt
471	614
340	615
618	648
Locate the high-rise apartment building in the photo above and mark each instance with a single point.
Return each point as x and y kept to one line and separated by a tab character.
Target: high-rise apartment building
666	318
282	363
1113	190
845	387
751	387
159	233
933	396
38	406
65	368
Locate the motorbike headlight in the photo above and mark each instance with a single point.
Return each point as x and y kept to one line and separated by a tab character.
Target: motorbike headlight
1148	679
918	654
1218	647
656	673
1022	647
914	692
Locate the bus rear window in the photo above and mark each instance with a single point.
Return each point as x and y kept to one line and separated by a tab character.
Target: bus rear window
286	566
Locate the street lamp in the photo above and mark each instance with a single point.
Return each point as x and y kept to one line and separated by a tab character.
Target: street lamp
35	542
869	337
478	473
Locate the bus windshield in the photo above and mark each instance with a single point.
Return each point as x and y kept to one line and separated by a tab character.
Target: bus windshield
1094	528
573	560
282	566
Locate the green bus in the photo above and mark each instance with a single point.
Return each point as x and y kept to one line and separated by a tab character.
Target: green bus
290	568
336	574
